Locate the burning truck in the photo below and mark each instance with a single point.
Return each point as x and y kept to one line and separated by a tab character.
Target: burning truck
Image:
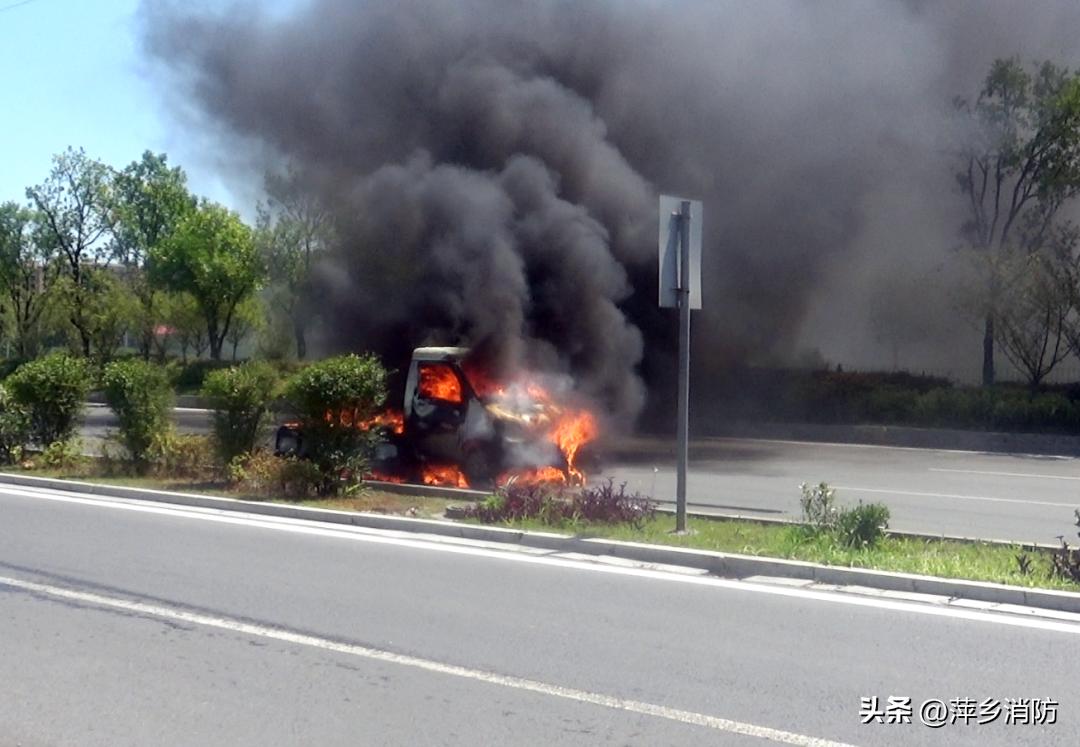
461	427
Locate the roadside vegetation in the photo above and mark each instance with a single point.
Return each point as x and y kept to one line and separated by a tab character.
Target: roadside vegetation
829	533
42	401
830	397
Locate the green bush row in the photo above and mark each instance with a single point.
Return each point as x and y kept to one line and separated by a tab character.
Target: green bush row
862	399
42	401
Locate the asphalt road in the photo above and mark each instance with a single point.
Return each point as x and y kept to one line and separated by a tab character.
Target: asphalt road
1020	498
134	624
1023	498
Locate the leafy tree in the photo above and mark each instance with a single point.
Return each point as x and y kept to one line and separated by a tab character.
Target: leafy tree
292	230
74	204
183	325
249	318
27	272
212	256
1019	166
149	201
1033	318
112	309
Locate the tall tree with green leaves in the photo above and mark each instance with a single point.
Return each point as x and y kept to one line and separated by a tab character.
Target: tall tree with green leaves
149	201
292	230
249	318
1020	165
27	275
74	205
212	256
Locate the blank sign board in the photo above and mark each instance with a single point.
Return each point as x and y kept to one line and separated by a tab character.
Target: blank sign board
668	246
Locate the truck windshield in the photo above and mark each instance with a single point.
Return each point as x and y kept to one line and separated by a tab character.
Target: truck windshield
440	381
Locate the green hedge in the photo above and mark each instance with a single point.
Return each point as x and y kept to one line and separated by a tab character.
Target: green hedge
329	398
240	398
53	390
141	396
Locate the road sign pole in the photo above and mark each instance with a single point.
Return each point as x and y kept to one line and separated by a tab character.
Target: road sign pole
684	365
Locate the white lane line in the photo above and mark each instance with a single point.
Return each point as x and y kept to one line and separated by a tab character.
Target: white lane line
415	662
1003	474
534	556
842	445
892	491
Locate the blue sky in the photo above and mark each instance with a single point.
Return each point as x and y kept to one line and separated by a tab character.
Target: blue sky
73	76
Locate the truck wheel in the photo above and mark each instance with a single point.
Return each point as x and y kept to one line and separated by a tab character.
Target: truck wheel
479	470
287	442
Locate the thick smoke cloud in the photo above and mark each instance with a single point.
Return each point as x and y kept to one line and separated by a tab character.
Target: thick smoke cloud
495	165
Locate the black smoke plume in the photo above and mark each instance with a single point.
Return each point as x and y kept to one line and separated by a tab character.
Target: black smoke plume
494	164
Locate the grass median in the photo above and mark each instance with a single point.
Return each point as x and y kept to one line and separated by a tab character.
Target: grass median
975	561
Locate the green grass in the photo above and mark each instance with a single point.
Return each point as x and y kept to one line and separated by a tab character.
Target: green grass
367	500
946	558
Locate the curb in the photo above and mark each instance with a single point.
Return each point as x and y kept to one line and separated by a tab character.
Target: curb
727	565
466	494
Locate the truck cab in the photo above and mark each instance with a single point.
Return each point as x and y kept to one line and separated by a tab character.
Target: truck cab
447	421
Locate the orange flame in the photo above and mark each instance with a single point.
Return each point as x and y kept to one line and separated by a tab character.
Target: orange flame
551	475
394	420
444	475
481	381
438	381
571	432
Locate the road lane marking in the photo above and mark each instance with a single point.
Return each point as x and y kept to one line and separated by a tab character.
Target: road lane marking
843	445
428	665
891	491
542	557
1003	474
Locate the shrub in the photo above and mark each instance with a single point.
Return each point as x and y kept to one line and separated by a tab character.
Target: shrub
240	398
14	428
52	389
186	456
62	454
140	395
261	474
818	506
862	525
1065	562
606	503
189	377
330	397
555	505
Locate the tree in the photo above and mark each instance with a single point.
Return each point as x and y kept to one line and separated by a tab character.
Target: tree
27	272
248	319
111	309
1037	295
149	201
74	206
292	231
1021	164
212	256
185	323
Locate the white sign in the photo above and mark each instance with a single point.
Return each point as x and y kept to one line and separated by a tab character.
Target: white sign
669	249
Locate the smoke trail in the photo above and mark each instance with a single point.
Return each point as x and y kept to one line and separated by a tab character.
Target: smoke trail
494	164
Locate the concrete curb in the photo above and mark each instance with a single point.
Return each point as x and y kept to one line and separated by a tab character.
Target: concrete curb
722	564
465	494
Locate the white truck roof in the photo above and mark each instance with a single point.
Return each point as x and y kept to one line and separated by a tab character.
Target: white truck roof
439	354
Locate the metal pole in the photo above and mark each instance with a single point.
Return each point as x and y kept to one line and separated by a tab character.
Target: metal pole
684	365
